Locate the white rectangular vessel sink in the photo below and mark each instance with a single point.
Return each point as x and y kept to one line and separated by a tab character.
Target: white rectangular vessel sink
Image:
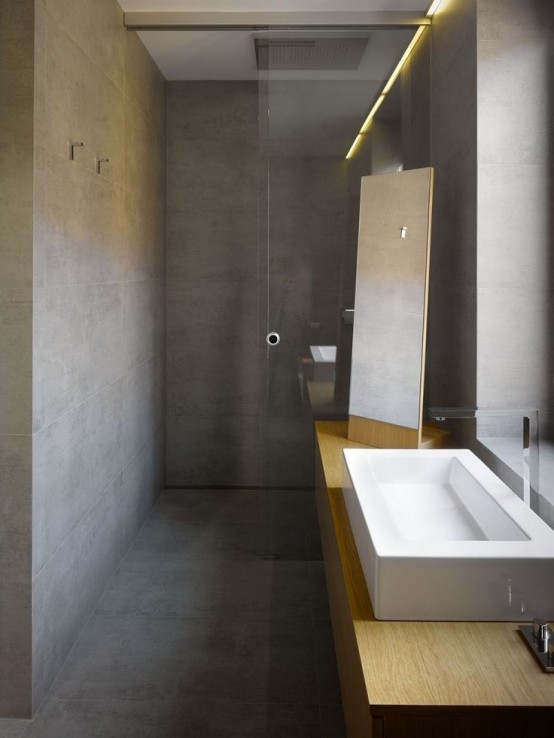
324	354
440	537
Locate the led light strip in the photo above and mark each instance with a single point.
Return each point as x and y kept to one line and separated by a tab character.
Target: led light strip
433	8
392	79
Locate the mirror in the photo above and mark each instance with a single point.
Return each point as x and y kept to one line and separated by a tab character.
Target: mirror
392	281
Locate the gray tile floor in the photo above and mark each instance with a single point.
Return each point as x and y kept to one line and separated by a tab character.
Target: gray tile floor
201	633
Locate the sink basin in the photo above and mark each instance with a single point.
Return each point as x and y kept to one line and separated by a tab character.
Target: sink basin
440	537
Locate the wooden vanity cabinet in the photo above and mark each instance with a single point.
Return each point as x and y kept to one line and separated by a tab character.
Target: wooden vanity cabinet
418	679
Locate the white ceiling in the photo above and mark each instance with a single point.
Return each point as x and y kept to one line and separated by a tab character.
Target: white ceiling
319	111
227	6
230	55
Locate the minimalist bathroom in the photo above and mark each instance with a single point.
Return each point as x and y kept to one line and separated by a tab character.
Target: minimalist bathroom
276	368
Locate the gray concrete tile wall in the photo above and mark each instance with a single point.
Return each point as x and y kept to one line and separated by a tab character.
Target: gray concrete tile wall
78	346
98	312
439	128
16	309
514	270
66	589
228	401
212	291
74	460
451	337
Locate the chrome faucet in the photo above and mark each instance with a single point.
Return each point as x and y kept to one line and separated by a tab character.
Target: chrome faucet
530	438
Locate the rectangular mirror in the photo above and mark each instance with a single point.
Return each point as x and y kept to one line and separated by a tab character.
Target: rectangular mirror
392	279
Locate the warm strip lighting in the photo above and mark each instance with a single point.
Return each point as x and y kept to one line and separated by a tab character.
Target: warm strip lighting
402	61
374	109
387	87
354	146
433	8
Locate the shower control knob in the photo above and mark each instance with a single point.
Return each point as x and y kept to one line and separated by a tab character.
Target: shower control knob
272	339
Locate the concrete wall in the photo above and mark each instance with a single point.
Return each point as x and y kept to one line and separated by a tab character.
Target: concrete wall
97	312
437	113
213	348
16	280
452	340
235	413
515	277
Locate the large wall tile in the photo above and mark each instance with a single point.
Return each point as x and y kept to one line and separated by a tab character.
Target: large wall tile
82	105
212	110
451	338
67	588
17	29
82	226
74	460
78	346
515	355
213	242
212	451
514	343
509	131
144	160
142	405
16	143
96	26
97	317
142	483
143	320
144	83
15	508
228	174
144	224
514	226
16	308
221	382
513	20
15	649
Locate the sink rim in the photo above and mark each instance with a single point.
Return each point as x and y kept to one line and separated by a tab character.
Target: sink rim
388	542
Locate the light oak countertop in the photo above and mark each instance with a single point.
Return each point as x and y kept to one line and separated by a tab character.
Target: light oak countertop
426	663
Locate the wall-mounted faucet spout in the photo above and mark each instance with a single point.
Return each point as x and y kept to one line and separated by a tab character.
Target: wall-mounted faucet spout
530	440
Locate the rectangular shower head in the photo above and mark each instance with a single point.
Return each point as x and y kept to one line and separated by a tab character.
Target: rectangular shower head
339	53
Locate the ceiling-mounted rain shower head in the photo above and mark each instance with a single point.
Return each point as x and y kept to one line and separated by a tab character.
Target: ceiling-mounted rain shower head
337	52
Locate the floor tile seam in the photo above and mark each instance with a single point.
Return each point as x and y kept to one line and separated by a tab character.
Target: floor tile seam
228	700
196	519
245	617
294	619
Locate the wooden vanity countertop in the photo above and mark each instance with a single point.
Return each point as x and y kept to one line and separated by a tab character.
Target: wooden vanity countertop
432	664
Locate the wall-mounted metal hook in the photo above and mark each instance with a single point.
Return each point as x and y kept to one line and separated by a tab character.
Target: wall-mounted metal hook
99	163
72	148
403	231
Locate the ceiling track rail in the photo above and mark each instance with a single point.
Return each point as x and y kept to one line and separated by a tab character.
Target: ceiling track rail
173	21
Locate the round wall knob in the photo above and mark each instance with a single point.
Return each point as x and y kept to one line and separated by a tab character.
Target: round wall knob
272	339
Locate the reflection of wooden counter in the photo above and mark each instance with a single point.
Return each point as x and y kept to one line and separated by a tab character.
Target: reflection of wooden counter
412	678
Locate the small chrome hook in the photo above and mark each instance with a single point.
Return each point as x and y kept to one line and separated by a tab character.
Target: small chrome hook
99	163
403	231
72	148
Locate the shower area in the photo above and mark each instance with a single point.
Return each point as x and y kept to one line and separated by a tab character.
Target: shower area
262	217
